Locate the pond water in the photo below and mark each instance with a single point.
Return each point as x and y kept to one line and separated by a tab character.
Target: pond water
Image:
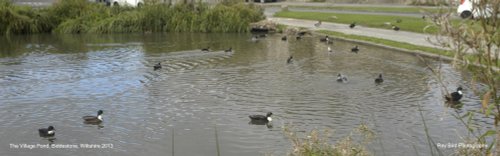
177	110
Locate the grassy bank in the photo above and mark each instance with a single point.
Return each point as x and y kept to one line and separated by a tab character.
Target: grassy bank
81	16
413	24
390	43
408	46
369	9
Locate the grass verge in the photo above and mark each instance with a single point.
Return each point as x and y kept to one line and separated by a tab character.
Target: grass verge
369	9
413	24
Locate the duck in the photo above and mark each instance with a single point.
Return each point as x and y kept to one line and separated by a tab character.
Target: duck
379	79
205	49
355	49
325	39
289	60
157	66
255	38
396	28
330	49
317	24
94	119
229	50
352	25
283	38
261	118
341	78
455	96
47	132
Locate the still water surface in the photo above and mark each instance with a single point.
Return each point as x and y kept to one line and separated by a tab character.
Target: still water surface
55	80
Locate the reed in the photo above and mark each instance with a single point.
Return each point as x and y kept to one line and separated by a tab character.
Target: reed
81	16
317	143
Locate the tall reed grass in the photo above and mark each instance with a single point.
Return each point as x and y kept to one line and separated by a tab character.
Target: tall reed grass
81	16
317	143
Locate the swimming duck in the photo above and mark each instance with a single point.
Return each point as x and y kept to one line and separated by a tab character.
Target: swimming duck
157	66
341	78
262	118
355	49
379	79
396	28
229	50
47	132
94	119
317	24
205	49
283	38
325	39
289	60
352	25
455	96
255	38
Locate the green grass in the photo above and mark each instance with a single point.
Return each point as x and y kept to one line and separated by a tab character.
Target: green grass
409	9
413	24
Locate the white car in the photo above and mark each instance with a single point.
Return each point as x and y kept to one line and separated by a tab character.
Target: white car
132	3
466	10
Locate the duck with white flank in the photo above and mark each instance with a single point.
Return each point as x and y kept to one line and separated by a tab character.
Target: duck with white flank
47	132
94	119
261	118
325	39
157	66
255	38
455	96
355	49
341	78
395	28
379	79
317	24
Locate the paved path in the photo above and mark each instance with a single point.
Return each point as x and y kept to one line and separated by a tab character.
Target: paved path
400	36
